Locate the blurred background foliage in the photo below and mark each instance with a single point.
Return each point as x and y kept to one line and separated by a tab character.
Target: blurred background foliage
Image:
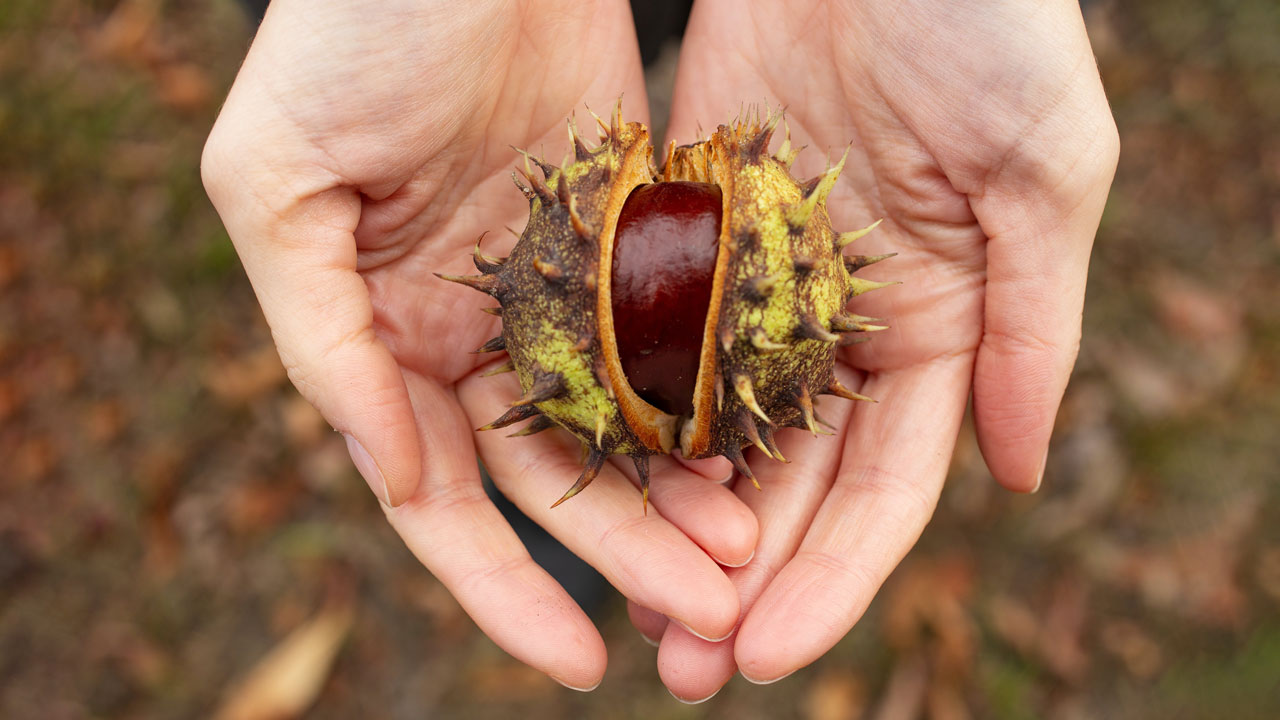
181	535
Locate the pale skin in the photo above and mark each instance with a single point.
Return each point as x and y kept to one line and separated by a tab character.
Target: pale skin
364	148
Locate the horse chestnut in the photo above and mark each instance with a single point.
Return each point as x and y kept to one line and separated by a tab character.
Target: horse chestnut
701	304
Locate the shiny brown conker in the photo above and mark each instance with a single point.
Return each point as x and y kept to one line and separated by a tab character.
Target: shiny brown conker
664	258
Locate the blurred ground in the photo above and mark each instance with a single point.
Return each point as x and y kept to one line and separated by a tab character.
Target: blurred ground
171	511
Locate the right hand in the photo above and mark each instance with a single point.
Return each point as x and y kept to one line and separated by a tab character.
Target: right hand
359	151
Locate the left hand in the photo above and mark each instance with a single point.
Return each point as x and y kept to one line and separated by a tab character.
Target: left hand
982	136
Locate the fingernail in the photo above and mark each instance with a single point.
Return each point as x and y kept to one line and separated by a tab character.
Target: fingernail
695	702
368	469
764	682
725	481
730	565
690	630
1040	475
649	640
576	689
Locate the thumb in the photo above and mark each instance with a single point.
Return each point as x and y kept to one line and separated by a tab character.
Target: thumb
1037	267
297	246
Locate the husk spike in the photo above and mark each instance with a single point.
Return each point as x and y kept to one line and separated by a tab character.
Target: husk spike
595	461
742	386
835	388
512	416
845	238
540	423
544	387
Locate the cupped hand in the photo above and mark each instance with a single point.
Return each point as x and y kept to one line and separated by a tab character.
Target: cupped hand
981	135
363	149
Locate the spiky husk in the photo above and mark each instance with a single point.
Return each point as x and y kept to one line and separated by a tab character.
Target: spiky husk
777	315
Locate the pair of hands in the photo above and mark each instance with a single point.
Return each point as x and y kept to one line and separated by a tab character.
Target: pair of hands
361	149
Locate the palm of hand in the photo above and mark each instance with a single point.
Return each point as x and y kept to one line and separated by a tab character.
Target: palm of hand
952	136
352	161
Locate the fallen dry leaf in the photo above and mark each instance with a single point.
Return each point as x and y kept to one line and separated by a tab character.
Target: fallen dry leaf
288	679
241	379
836	694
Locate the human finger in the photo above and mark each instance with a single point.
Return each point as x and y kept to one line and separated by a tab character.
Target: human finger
709	513
295	240
1040	216
893	465
453	528
790	495
644	556
717	469
648	623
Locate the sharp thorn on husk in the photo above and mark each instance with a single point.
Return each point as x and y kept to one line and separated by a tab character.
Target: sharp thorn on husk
785	154
835	388
512	416
734	455
727	335
719	390
601	370
812	329
580	150
805	403
760	340
605	133
511	230
758	146
539	187
528	193
595	461
746	393
642	470
799	214
828	178
549	270
540	423
601	420
575	219
854	323
862	285
615	122
486	264
492	310
545	386
747	425
845	238
488	284
505	367
494	345
854	263
546	167
759	287
766	434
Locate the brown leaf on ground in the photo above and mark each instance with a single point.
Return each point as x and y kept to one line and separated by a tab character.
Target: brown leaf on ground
1269	572
257	506
245	378
836	694
303	424
904	696
1127	641
1198	575
1051	637
287	681
509	680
